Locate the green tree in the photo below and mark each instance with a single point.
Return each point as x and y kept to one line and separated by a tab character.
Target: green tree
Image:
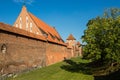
102	37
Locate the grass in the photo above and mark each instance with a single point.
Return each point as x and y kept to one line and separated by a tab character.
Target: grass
55	72
73	69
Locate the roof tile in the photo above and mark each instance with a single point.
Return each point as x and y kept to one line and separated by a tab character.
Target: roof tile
53	35
71	37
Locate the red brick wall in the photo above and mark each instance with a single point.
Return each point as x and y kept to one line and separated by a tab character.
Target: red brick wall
54	53
24	53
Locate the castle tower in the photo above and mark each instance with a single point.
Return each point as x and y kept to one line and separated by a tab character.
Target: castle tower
71	41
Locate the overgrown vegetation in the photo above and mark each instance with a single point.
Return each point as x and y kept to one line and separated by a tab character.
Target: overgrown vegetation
102	40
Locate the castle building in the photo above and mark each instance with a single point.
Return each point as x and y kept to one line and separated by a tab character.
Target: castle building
75	46
31	43
71	41
28	22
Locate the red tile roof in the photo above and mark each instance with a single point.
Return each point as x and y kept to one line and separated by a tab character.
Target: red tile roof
52	34
71	37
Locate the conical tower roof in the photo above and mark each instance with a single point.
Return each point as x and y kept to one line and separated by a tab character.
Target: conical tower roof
71	37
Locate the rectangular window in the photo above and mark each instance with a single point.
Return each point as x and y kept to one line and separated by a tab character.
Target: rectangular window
37	33
20	23
26	23
16	25
26	19
30	27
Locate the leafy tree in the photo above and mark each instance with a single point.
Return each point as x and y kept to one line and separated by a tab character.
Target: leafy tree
102	37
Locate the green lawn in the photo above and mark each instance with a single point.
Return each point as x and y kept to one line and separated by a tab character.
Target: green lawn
73	69
58	71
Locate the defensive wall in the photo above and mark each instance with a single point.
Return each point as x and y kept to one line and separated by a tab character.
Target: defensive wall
21	50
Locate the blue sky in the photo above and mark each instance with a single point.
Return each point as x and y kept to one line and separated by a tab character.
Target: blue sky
67	16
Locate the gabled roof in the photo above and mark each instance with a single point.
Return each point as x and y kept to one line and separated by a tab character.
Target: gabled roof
70	37
52	34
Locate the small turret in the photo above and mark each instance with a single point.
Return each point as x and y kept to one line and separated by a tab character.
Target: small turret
71	41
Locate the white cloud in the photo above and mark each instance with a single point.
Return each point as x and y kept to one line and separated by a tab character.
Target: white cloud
26	1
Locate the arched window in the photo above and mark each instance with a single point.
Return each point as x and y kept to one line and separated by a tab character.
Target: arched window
3	48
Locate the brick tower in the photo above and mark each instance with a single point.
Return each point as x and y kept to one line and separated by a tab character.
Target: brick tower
71	41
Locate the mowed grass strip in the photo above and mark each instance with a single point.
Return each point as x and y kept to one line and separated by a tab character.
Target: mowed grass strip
54	72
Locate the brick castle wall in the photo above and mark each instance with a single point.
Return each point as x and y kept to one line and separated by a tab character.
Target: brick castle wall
56	53
23	52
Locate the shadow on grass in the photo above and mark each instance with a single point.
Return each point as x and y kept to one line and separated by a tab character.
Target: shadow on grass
112	76
90	69
72	66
